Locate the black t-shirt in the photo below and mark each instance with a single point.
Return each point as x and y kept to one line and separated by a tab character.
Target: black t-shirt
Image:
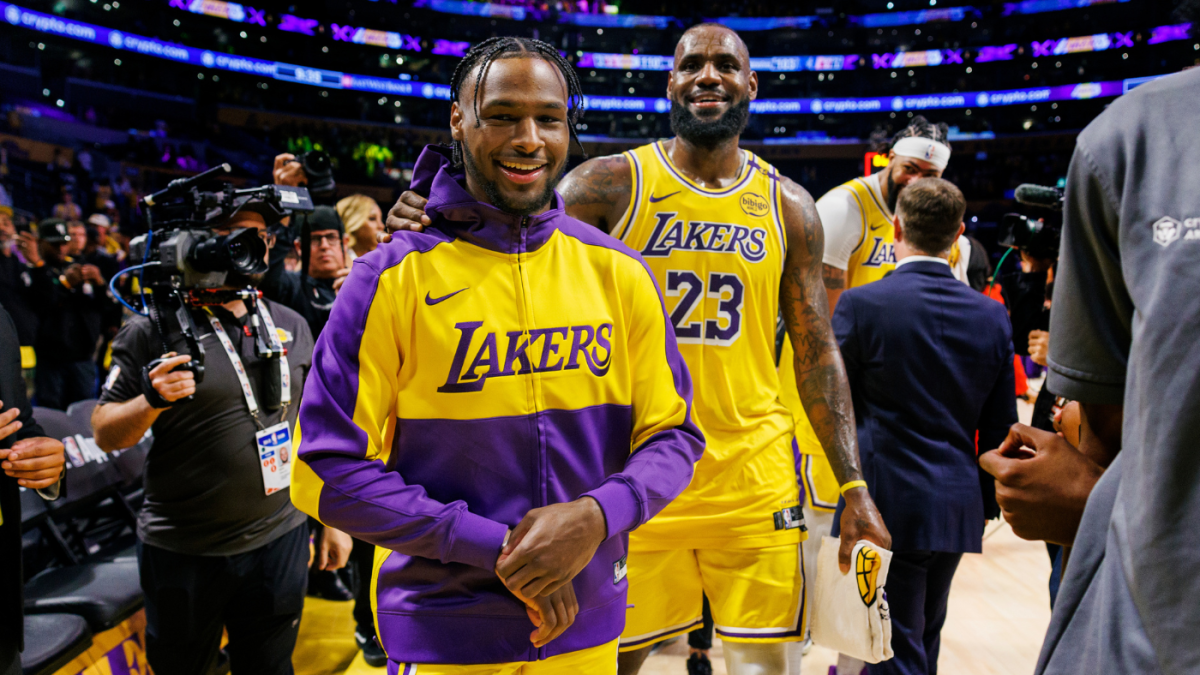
204	488
16	296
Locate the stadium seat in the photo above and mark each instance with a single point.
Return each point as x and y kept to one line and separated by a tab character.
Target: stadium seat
51	641
103	593
82	410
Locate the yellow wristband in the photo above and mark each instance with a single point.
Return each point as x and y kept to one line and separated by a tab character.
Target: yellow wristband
853	484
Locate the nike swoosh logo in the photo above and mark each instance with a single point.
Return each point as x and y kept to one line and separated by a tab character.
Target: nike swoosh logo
654	200
434	301
873	228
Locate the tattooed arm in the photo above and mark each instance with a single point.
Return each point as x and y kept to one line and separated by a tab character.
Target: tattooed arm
820	373
597	191
835	283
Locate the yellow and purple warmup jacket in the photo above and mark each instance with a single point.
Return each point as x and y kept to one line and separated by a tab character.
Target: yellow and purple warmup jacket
487	366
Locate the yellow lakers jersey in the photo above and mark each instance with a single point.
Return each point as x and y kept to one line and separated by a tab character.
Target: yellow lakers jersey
718	257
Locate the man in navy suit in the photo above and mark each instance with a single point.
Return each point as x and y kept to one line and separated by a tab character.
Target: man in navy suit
930	364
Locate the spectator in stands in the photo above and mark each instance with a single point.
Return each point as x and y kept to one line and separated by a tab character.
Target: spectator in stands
67	209
70	300
218	544
364	222
77	231
103	225
16	283
31	461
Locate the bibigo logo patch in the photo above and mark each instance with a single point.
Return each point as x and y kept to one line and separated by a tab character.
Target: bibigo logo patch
755	205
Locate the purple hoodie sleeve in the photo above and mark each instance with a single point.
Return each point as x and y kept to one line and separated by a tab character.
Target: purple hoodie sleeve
344	430
666	441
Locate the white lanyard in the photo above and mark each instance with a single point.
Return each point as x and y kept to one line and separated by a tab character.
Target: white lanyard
284	373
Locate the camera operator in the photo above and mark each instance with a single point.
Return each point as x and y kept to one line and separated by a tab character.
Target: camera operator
71	300
219	543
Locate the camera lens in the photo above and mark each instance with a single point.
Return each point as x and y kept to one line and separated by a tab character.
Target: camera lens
241	251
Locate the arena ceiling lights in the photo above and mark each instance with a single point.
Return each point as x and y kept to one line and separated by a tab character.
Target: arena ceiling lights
772	64
286	72
888	19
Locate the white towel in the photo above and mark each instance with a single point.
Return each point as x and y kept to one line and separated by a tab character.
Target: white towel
851	612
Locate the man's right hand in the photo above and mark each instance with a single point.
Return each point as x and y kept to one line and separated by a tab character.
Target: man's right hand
27	244
173	386
1039	346
74	275
1041	492
287	170
551	615
407	214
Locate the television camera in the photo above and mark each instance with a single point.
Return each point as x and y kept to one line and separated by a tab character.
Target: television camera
190	258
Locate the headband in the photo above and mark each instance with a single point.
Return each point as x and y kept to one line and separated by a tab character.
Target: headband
937	154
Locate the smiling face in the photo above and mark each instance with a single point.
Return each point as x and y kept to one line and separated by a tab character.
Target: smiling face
711	86
902	170
516	148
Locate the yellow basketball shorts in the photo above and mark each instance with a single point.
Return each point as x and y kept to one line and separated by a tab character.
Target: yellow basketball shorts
601	660
820	485
756	595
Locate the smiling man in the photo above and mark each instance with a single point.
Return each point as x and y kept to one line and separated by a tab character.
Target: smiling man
496	401
733	244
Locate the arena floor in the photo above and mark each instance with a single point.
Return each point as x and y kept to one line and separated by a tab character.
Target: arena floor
999	610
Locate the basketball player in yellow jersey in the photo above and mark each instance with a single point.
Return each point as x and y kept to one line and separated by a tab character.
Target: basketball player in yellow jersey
732	244
857	221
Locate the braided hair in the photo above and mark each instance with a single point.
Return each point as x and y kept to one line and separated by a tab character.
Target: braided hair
482	55
920	127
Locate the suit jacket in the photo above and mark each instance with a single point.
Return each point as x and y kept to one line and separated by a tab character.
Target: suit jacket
12	393
930	363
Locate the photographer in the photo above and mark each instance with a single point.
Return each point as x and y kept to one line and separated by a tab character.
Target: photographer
71	301
220	544
16	282
320	241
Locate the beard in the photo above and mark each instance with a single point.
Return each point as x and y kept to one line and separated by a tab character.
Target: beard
523	207
710	133
239	280
893	192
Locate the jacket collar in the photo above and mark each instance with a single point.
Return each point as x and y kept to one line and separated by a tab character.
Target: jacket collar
925	267
457	213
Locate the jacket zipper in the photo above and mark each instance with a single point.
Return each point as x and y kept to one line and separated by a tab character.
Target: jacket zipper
539	498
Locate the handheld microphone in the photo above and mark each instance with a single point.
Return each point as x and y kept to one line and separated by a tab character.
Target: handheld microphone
1039	195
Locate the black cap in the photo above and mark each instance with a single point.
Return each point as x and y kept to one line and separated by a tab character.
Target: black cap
54	231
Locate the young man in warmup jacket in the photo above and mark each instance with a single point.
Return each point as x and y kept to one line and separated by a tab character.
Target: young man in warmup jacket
498	400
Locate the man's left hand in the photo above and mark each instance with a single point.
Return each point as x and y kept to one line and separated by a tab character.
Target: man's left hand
36	463
340	278
550	546
334	551
860	520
